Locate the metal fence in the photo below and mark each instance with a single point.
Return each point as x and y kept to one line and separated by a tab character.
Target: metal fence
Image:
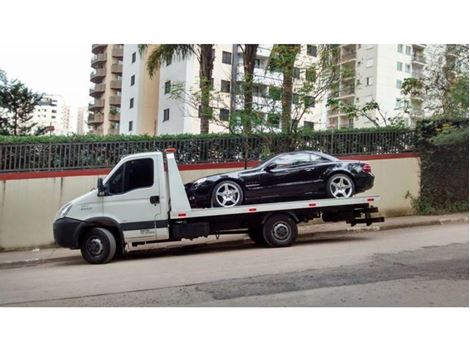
91	155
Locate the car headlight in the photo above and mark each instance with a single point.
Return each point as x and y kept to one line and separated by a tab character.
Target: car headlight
64	210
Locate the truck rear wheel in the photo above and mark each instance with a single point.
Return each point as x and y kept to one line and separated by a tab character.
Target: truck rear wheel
280	230
99	246
256	235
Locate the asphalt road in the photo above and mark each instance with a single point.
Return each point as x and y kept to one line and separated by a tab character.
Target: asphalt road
420	266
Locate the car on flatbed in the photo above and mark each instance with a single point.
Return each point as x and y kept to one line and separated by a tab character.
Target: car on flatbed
143	201
285	177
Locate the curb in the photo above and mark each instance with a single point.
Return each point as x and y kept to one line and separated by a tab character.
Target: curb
239	243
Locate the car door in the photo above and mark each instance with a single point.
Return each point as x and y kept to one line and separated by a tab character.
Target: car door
132	199
286	177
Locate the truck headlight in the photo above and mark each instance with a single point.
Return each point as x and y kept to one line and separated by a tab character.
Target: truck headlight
64	210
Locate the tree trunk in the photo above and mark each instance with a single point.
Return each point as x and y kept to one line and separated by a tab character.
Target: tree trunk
206	66
289	51
249	57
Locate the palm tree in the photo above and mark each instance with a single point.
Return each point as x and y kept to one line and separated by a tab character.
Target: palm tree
164	53
283	58
249	57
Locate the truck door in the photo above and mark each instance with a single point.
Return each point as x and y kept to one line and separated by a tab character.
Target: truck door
133	199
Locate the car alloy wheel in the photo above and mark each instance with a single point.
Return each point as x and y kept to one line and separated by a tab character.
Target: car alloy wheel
227	194
341	186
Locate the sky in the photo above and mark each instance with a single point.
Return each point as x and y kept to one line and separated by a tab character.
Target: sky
51	69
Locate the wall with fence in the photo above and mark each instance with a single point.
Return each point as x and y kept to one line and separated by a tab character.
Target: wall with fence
19	157
29	200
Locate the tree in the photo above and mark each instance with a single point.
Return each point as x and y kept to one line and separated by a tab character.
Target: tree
164	53
442	87
17	103
249	57
283	58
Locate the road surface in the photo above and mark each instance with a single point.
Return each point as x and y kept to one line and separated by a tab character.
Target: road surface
419	266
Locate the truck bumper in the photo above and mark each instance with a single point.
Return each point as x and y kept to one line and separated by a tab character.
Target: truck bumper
66	232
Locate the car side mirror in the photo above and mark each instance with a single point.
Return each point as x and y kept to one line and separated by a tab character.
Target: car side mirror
101	188
270	167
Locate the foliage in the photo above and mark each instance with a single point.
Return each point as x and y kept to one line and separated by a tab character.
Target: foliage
442	144
17	103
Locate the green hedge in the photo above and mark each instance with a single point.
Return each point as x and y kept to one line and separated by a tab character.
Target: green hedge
177	137
443	147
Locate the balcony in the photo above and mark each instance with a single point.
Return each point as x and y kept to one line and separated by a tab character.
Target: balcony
333	122
98	48
346	91
348	52
116	68
98	59
418	58
115	84
118	51
95	119
98	75
115	100
98	104
419	46
97	90
115	117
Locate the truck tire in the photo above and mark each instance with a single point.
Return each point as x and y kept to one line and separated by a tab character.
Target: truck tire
99	246
280	230
256	235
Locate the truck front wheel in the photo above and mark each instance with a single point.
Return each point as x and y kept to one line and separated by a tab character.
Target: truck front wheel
280	230
99	246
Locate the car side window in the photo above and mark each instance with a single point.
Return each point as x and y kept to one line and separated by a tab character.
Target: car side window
132	175
291	160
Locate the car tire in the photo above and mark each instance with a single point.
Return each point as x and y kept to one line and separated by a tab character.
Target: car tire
280	230
227	194
256	235
98	246
340	186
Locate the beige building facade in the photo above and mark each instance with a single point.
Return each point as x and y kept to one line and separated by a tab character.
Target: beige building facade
106	77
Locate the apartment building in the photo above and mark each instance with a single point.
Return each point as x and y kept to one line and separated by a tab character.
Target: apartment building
140	93
106	76
52	113
180	114
371	72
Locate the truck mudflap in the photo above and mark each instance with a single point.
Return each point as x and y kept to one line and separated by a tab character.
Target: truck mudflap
363	216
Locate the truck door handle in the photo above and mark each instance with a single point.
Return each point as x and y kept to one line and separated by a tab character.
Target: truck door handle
155	199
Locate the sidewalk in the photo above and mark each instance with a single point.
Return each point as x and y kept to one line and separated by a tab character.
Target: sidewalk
306	232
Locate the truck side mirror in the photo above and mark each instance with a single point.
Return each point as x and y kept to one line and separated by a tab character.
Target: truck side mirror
101	188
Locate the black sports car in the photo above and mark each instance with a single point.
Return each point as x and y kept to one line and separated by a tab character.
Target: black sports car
285	177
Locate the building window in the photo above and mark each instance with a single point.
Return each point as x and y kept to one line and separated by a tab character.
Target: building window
134	56
225	86
309	101
408	50
170	60
400	48
166	114
368	81
408	68
308	125
311	50
167	87
295	98
257	63
131	103
399	82
131	123
132	80
399	66
226	57
224	114
311	75
369	62
296	72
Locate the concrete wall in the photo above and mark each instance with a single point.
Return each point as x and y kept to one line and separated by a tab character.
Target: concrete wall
28	206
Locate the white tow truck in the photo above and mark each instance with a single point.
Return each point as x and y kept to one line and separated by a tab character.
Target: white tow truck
143	201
